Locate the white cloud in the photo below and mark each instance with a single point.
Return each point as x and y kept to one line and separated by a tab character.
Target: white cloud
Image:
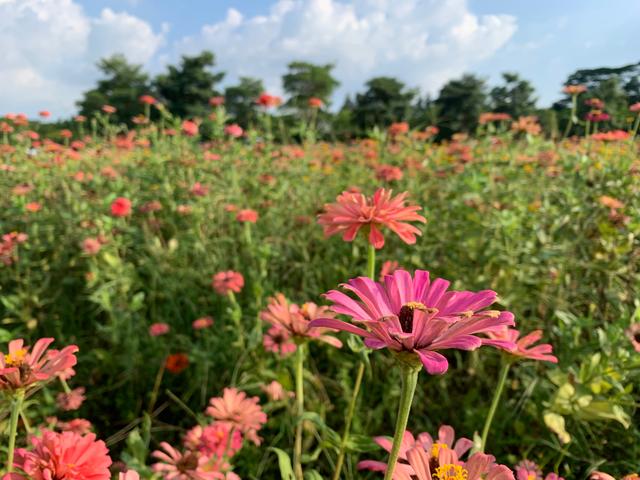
423	42
50	47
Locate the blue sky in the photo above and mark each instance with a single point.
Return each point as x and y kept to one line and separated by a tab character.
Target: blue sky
51	46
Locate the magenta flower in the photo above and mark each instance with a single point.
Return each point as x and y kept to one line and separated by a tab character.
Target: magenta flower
417	316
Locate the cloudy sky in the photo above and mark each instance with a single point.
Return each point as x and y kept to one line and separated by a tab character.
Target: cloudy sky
48	48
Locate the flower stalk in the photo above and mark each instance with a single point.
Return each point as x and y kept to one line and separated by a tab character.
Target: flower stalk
504	372
409	381
299	373
16	408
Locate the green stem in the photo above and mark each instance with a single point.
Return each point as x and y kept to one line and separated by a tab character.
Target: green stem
16	407
371	262
156	386
348	419
574	107
635	127
494	403
297	452
236	316
409	382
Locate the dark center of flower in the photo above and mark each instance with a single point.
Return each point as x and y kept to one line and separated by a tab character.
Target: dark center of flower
636	337
188	462
406	315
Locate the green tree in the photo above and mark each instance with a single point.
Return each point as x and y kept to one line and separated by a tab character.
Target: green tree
240	100
385	101
305	80
460	103
514	97
121	87
187	88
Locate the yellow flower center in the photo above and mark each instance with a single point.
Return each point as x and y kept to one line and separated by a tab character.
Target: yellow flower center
16	358
416	306
451	472
435	449
531	476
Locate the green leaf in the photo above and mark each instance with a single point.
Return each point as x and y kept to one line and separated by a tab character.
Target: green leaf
284	462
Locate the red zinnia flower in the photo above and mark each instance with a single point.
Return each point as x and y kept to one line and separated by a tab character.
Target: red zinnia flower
121	207
398	128
176	362
202	323
268	101
157	329
233	130
354	211
315	102
148	100
45	114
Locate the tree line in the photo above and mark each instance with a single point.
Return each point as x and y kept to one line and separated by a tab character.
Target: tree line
186	89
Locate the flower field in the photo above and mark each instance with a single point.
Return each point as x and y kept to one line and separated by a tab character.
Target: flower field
242	308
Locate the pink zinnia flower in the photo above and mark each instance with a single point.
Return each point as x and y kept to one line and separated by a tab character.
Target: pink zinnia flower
189	128
175	465
215	440
601	476
388	173
237	410
121	207
233	130
523	345
202	323
109	109
216	101
72	400
633	332
199	190
21	368
440	462
148	100
91	246
65	455
278	340
353	211
295	320
157	329
129	475
247	215
446	440
417	316
275	391
635	107
229	281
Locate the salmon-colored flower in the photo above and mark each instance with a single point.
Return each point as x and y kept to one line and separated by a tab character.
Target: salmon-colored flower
239	411
216	101
174	465
233	130
33	207
229	281
355	211
601	476
612	136
176	362
199	190
417	317
72	400
121	207
45	114
315	102
91	246
296	319
247	215
438	461
268	101
446	440
388	267
574	89
189	128
202	323
523	345
65	455
108	109
610	202
215	440
159	328
148	100
21	368
278	340
635	107
398	128
129	475
275	391
388	173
